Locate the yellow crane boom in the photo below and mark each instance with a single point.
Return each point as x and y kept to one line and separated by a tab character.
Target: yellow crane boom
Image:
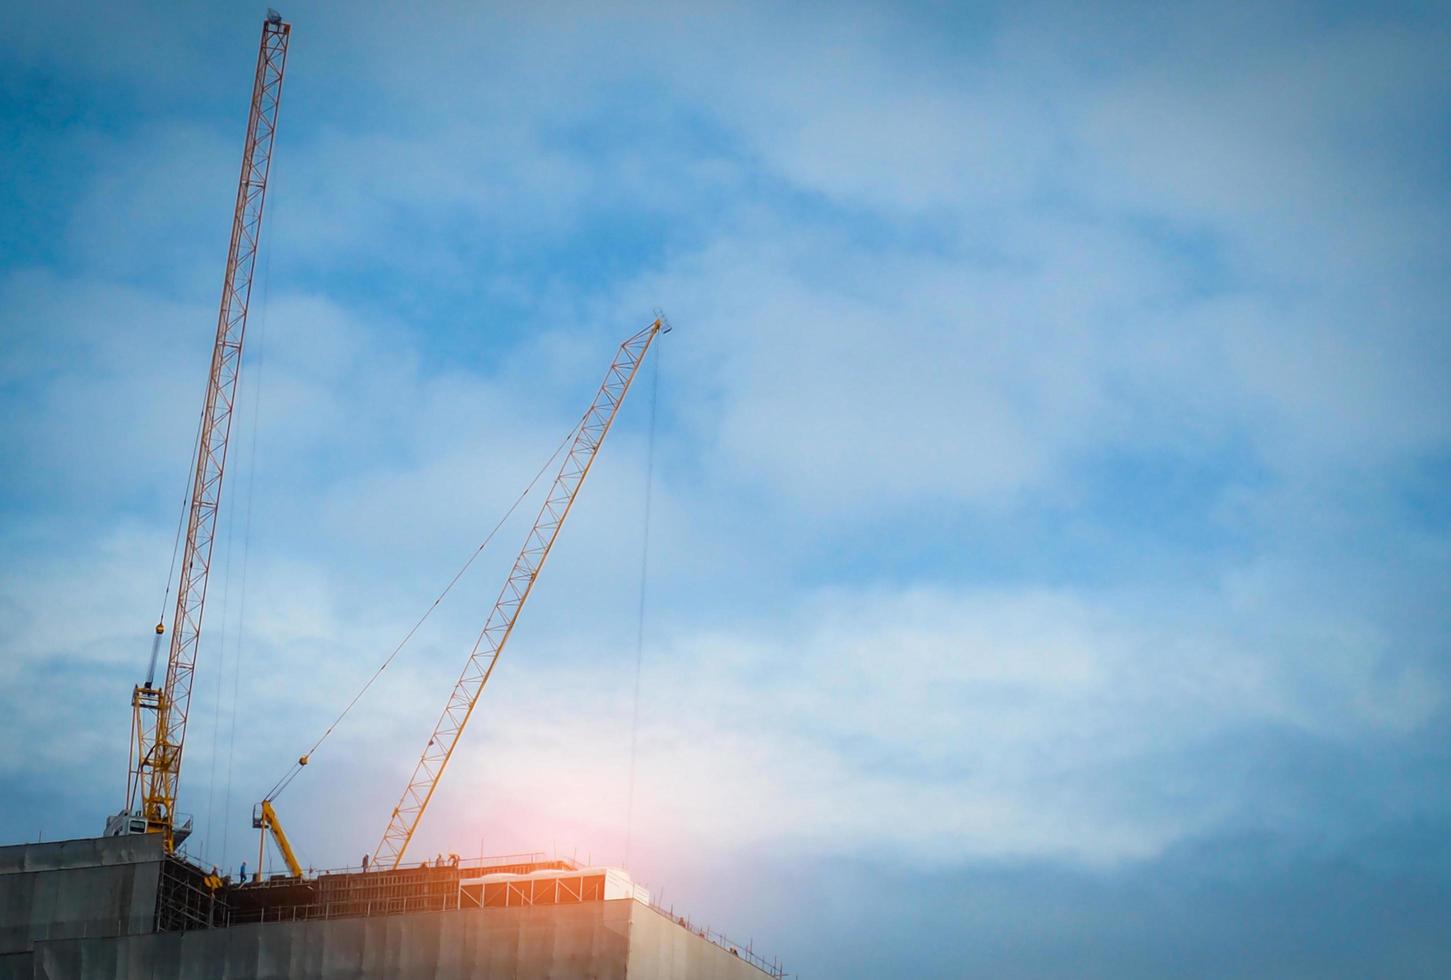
159	714
500	624
264	818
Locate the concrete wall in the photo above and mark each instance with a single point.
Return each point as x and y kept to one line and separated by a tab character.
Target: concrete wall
96	887
661	949
543	942
616	940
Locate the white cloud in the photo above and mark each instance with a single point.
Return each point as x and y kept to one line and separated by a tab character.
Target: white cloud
902	286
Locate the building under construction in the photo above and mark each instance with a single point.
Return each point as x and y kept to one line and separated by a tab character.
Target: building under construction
132	904
109	908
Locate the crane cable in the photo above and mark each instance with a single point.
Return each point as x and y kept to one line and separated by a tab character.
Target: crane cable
302	760
640	621
175	547
259	361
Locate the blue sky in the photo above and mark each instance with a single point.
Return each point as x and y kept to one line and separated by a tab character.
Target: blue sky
1049	546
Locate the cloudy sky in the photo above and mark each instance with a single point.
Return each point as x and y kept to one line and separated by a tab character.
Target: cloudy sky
1048	561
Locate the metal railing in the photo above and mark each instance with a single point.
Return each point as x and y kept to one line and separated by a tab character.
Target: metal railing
745	951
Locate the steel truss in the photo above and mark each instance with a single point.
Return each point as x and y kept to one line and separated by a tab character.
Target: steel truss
156	765
500	624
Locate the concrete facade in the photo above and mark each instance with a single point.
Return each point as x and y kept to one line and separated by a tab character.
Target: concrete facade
89	888
86	910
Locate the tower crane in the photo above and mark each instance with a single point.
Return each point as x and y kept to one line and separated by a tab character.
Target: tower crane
587	438
500	624
159	714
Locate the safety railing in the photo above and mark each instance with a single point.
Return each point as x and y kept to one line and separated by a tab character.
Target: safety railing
745	951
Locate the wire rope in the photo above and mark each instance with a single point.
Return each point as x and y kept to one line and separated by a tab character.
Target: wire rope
229	525
640	617
259	348
296	767
181	518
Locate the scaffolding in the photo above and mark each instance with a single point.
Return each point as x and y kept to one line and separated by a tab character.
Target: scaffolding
427	887
183	900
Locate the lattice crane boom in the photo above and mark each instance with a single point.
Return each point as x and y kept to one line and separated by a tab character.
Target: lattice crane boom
500	624
160	715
